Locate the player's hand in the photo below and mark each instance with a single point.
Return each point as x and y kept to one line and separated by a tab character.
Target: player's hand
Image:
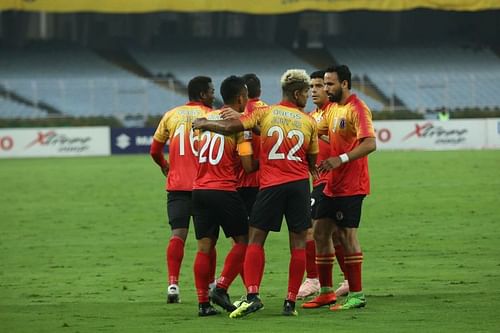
314	172
165	170
229	113
329	164
199	122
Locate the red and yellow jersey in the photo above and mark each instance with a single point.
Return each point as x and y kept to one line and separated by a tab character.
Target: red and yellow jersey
176	126
251	179
218	159
347	125
288	135
324	147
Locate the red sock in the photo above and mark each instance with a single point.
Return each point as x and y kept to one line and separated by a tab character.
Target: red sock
295	272
232	265
174	254
202	276
242	272
353	267
324	263
254	267
312	271
339	254
213	264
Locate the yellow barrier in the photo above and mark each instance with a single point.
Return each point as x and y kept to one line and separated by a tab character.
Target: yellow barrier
250	7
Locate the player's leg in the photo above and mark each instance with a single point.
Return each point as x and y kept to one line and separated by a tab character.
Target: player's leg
296	269
348	224
298	219
343	288
267	215
179	213
325	257
234	222
253	266
207	232
325	253
202	269
249	196
311	284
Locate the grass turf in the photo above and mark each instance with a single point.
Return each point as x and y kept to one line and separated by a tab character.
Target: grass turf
82	247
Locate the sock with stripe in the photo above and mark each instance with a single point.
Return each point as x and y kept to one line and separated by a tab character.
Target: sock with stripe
324	263
353	264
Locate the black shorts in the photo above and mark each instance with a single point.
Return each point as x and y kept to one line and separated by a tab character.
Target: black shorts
316	195
292	200
179	209
213	209
248	195
345	211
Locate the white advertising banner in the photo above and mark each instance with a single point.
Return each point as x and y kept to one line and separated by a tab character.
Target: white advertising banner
493	140
434	135
54	142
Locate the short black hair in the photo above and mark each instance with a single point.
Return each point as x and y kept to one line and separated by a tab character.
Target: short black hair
198	85
231	88
253	85
343	73
317	75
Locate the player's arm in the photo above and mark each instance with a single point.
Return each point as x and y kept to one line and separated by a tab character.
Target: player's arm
219	126
366	146
229	113
312	151
160	138
311	162
246	155
156	152
249	164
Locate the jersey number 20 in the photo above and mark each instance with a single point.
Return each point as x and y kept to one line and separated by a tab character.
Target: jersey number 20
209	144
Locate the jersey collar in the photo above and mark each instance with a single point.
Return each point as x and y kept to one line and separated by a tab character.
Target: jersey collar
288	104
195	103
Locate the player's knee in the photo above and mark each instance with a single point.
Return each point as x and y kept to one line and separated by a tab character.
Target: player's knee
180	233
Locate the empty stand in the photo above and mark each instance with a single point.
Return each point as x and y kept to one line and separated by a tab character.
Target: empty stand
429	78
75	81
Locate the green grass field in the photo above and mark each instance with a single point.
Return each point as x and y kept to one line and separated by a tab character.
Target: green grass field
82	246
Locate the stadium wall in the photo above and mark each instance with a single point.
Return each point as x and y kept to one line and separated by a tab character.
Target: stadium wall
105	141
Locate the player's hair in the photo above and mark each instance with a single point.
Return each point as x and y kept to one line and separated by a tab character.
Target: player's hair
343	73
253	85
294	79
317	75
231	88
198	85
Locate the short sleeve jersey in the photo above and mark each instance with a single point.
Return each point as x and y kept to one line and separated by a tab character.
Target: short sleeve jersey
324	147
347	125
219	161
251	179
288	135
176	126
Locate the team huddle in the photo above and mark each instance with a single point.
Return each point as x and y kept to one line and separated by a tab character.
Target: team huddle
246	166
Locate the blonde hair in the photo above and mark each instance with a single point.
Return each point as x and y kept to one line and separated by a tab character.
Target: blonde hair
295	77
